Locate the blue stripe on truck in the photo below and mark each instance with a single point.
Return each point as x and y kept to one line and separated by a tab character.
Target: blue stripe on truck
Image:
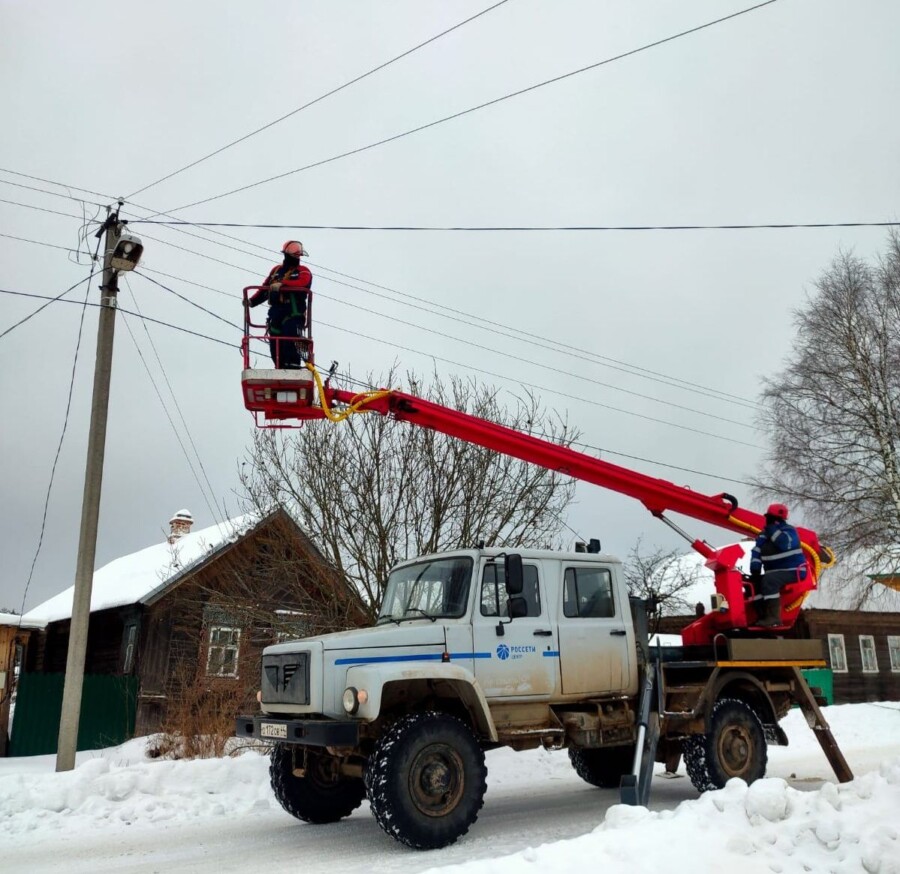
418	657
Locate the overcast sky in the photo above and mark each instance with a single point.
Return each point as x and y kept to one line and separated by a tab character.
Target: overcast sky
785	114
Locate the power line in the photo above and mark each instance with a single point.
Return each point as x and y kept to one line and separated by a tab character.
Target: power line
38	243
468	319
367	386
188	300
45	191
320	98
62	436
107	197
480	106
39	208
543	388
49	301
512	228
544	367
472	320
474	345
213	512
127	312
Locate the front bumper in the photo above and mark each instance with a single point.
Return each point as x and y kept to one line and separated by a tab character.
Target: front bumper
309	732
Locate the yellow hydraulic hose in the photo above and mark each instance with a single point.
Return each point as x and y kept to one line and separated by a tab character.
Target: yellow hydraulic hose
357	405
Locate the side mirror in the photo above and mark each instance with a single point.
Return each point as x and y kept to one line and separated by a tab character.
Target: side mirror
518	607
512	569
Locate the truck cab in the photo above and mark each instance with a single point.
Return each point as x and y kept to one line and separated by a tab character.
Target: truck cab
570	637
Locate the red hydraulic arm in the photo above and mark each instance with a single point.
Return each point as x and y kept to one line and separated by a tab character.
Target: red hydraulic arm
289	395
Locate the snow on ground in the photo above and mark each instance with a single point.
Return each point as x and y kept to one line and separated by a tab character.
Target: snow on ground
118	810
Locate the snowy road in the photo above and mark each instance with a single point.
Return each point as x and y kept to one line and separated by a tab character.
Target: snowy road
533	798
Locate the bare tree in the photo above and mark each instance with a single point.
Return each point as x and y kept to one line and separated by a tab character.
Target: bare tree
834	411
663	575
371	491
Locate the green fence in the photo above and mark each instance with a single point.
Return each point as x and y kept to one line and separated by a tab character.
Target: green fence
821	678
108	706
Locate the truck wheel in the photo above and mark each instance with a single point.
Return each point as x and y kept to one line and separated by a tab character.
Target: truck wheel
426	780
602	767
734	747
321	795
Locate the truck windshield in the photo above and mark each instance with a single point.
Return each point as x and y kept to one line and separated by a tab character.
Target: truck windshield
431	589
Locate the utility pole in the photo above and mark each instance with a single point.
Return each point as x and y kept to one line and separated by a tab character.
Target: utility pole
113	258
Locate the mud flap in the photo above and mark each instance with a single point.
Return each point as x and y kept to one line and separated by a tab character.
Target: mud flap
634	788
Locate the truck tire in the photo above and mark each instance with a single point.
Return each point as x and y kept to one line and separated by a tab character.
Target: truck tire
602	767
734	747
426	780
319	796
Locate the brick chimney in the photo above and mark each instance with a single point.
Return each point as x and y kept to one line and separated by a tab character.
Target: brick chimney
180	524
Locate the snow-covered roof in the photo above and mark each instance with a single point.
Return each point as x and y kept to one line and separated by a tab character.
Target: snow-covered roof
846	586
136	578
15	619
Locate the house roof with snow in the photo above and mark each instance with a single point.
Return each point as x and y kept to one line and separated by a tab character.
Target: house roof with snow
20	621
140	577
846	586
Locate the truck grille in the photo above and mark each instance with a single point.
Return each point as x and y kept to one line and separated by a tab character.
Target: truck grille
285	678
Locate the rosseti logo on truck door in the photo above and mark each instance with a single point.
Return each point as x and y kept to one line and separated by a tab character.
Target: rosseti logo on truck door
505	652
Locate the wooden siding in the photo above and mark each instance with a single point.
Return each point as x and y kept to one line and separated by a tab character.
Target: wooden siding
854	685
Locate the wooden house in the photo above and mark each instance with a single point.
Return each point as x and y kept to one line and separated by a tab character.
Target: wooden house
14	636
178	628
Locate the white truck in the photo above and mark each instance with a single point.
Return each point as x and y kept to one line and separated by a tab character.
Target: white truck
476	649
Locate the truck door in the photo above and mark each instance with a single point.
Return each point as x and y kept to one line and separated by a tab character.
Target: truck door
524	661
593	640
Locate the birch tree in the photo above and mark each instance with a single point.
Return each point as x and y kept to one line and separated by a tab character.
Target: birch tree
833	413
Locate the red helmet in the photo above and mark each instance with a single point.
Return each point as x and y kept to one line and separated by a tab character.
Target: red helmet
294	249
778	511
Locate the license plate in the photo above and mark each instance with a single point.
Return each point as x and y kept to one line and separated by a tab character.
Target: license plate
272	729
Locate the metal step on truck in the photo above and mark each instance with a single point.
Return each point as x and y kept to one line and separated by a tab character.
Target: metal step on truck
477	649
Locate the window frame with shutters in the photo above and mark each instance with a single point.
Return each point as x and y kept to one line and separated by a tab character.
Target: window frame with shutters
842	649
213	645
870	640
893	645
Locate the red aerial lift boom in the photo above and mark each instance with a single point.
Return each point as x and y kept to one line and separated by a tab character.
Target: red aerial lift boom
277	397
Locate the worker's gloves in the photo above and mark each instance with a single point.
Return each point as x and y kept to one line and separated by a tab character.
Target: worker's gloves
274	286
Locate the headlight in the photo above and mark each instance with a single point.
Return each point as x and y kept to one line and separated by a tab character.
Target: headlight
352	698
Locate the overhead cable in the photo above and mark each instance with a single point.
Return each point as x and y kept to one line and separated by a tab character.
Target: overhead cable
550	391
62	436
212	507
127	312
319	98
49	301
480	106
481	323
512	228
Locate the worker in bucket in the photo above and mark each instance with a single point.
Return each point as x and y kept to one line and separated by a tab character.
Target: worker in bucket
286	289
776	560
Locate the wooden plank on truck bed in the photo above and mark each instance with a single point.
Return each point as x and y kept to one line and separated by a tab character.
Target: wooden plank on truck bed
763	650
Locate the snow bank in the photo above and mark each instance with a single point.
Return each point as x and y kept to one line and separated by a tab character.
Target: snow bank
121	786
770	826
765	827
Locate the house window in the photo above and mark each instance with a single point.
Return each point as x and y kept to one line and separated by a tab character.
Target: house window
894	651
838	653
224	645
867	651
